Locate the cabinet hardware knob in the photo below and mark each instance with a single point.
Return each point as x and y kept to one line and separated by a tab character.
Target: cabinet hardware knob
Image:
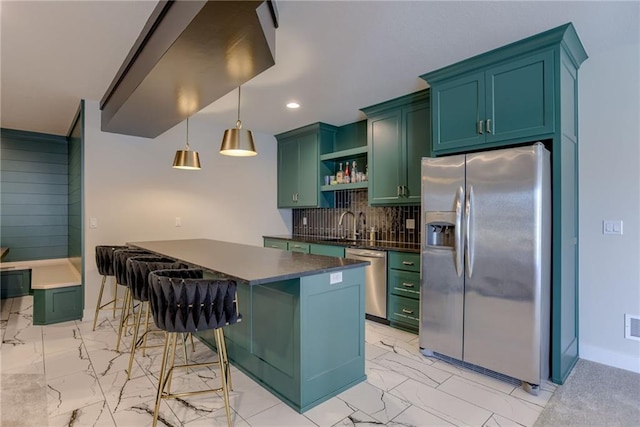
407	263
407	285
480	124
488	125
405	311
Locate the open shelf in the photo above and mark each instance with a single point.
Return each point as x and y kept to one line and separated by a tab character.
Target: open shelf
349	186
343	154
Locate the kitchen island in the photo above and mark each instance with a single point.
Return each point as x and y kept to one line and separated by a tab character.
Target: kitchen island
302	329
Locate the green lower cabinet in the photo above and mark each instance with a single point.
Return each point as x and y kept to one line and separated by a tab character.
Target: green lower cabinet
275	243
404	313
15	283
302	248
327	250
403	299
57	305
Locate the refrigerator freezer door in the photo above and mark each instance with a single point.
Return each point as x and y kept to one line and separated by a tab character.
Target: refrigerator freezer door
442	278
503	283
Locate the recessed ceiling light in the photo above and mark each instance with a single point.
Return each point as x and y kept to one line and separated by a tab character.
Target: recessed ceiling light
293	105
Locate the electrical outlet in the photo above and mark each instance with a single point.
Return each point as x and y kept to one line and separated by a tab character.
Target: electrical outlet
93	222
304	220
178	221
410	224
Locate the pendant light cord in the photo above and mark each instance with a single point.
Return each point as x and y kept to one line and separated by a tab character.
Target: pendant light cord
187	133
238	122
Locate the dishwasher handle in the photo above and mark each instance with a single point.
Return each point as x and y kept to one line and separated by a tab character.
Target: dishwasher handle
365	254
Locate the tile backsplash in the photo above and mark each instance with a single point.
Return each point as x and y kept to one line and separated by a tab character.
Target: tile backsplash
390	222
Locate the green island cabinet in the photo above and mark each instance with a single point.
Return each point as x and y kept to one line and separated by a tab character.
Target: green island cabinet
298	165
403	299
399	133
524	92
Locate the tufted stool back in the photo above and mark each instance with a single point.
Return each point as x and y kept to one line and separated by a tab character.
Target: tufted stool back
182	301
120	258
104	258
138	269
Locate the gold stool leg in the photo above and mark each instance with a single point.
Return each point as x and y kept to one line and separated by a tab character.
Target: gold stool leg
136	327
161	378
95	319
172	355
124	314
146	328
115	297
219	337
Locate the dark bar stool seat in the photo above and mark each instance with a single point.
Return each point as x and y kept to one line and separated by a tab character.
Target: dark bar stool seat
104	262
120	258
138	269
182	301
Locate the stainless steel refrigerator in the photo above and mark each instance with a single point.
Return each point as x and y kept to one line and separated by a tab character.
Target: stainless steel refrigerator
486	256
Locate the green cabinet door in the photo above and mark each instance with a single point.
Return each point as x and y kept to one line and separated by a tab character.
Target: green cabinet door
458	105
417	131
287	172
385	157
399	133
308	163
519	98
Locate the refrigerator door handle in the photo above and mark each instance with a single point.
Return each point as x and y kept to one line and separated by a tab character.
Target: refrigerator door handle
458	238
469	243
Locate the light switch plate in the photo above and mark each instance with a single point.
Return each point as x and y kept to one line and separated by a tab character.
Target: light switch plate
612	227
93	222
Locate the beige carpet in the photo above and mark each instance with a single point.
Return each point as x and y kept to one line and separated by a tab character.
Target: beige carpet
595	395
23	400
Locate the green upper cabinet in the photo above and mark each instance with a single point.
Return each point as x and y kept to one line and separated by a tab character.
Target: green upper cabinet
298	166
398	137
512	100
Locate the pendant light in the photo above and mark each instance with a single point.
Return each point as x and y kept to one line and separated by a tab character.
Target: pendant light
187	159
237	141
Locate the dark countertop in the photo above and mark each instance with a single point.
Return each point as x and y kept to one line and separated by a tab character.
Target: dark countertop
252	264
364	244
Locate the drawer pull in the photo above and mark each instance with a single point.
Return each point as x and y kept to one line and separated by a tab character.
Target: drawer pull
274	246
407	285
407	263
297	246
405	311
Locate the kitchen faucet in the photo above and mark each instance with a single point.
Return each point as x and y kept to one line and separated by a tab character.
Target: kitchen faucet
354	233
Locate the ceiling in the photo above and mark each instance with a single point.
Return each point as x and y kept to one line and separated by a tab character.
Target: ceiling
332	57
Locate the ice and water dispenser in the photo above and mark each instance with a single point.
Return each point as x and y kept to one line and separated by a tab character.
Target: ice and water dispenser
440	229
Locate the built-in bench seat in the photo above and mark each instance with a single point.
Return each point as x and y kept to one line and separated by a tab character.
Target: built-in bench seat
56	286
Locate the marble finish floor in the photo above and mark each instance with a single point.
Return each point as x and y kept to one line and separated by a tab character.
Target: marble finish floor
80	380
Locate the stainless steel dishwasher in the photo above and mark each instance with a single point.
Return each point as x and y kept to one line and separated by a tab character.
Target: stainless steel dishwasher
375	280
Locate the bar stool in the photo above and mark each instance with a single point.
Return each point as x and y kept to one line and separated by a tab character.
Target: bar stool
138	269
104	262
120	258
182	301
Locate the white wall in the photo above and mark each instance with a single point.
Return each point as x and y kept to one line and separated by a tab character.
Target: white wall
135	194
609	108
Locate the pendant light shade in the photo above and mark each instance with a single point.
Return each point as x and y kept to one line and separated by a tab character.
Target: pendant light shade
237	141
187	159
